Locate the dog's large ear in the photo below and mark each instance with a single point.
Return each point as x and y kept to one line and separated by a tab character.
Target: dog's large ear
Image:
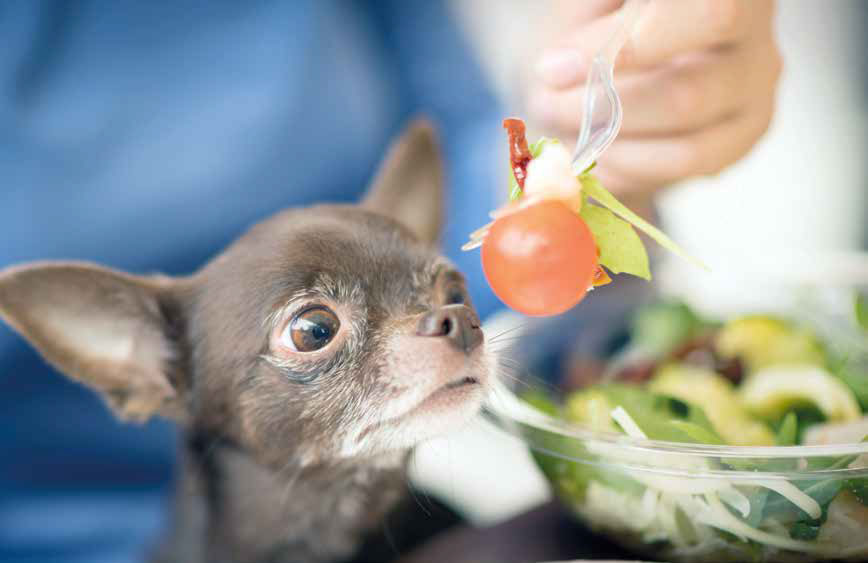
108	330
409	184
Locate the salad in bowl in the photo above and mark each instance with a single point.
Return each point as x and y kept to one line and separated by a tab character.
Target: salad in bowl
741	439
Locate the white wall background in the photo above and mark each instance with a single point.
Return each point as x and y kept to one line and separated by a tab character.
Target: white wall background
796	206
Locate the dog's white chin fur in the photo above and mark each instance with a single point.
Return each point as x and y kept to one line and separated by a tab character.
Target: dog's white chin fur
436	403
446	412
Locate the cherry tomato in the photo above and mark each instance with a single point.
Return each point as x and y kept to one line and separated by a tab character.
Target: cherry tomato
540	260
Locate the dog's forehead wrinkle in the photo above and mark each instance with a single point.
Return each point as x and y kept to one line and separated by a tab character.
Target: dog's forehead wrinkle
354	254
385	283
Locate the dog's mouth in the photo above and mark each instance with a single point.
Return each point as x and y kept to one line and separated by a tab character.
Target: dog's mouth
443	394
449	395
441	397
467	380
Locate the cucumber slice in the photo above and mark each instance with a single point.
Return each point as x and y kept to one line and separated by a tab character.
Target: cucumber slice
772	392
765	341
718	398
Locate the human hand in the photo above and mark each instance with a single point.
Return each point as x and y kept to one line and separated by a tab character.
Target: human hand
697	80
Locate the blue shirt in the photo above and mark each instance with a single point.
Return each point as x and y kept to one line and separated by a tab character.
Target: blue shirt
148	135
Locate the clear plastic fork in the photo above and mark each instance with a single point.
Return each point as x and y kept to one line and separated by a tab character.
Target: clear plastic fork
602	115
601	119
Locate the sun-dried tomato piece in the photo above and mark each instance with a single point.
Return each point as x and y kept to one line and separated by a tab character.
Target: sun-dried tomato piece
699	351
601	277
637	372
519	153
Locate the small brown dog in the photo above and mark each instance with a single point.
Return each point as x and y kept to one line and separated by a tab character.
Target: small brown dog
303	363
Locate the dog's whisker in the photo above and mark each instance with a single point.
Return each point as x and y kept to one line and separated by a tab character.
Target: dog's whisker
510	329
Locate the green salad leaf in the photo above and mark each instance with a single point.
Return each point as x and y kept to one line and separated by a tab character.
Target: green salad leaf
861	307
542	402
537	147
859	487
824	491
658	328
758	499
514	188
854	374
621	249
699	433
807	530
787	435
592	187
788	431
766	503
802	526
659	416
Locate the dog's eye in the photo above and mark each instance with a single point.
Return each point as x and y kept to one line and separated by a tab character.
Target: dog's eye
311	330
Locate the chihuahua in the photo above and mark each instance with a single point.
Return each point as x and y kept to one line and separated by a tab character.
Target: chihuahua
303	363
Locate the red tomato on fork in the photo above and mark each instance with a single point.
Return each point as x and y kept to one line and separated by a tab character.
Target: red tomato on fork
540	260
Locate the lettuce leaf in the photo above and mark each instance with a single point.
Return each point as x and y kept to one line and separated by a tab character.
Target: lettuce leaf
514	188
541	143
807	528
621	249
787	431
858	487
698	433
802	526
541	402
853	374
592	187
861	307
758	497
661	417
662	326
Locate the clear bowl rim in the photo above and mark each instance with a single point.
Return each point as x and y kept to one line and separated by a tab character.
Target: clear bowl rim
520	414
509	420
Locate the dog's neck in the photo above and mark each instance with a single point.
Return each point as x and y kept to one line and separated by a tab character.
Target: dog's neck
231	508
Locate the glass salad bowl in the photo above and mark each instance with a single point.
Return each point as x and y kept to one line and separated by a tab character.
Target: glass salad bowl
655	451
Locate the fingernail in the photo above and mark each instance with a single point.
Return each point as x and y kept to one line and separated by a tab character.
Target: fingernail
562	68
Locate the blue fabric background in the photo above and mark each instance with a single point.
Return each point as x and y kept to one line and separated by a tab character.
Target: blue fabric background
148	135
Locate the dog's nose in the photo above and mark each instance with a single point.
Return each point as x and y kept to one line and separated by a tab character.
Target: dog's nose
458	323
